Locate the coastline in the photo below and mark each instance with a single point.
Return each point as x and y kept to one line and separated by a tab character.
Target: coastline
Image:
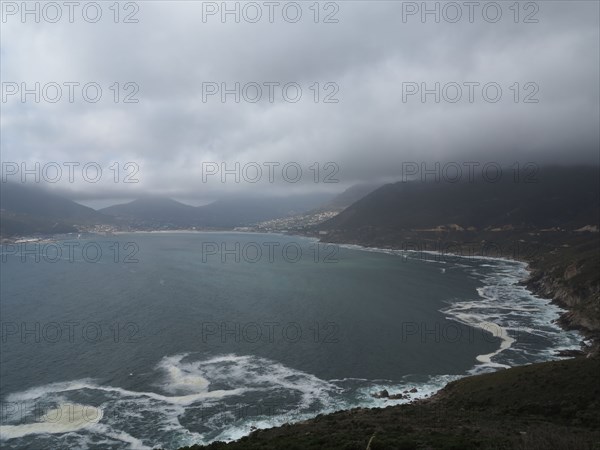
542	281
495	329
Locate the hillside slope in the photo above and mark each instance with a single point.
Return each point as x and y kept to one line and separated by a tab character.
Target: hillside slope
560	197
31	209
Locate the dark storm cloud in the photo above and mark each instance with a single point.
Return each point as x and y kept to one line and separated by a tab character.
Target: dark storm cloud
368	54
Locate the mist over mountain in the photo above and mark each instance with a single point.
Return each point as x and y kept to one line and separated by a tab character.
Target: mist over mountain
32	209
349	196
225	213
235	212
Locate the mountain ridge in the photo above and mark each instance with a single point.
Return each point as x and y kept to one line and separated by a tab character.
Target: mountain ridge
571	193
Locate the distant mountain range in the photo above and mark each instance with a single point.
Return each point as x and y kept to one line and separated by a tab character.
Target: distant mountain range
229	213
26	210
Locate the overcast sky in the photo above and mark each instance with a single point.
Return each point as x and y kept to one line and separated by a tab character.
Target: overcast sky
362	61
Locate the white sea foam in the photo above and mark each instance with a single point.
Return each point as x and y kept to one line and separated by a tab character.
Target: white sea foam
49	389
65	418
54	388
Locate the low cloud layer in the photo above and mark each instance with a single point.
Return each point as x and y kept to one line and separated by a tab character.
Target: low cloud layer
370	61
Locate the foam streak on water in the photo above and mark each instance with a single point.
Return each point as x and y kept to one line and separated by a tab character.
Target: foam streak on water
525	324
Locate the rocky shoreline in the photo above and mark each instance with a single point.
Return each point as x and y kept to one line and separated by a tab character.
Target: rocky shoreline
576	316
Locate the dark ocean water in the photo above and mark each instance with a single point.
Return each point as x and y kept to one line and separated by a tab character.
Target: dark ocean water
169	339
